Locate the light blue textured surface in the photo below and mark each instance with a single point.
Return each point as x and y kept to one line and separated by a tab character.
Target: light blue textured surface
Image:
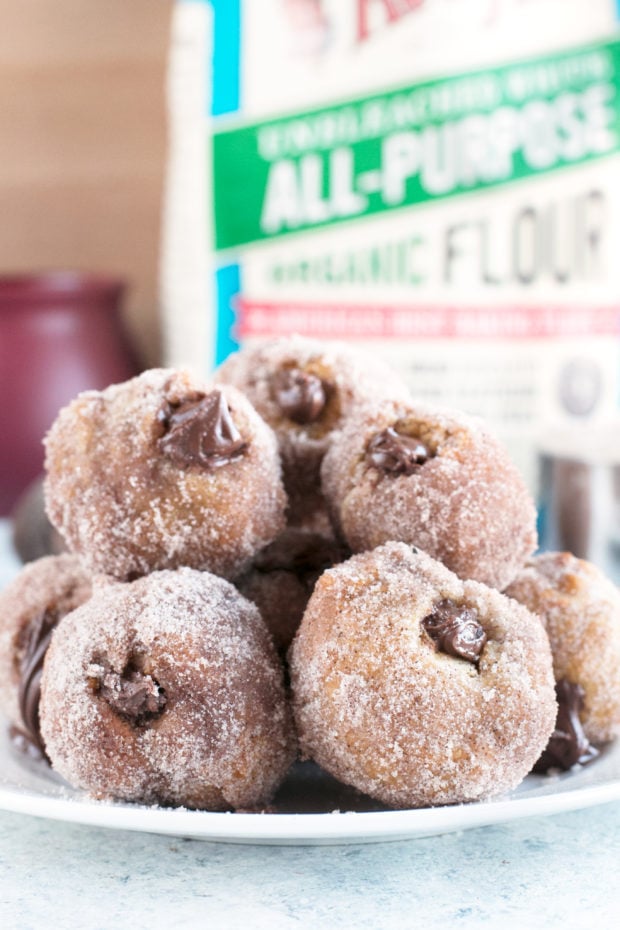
561	871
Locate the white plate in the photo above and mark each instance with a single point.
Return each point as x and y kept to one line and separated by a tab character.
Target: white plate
29	787
313	809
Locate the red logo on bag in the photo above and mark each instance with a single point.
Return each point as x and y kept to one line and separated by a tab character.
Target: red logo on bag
392	12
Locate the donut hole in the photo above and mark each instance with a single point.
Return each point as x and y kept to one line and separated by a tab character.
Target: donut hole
132	694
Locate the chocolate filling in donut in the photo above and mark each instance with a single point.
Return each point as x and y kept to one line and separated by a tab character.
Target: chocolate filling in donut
133	695
396	454
200	431
455	630
300	395
36	639
568	744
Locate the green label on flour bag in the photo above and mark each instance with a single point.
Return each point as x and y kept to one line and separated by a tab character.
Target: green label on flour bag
415	144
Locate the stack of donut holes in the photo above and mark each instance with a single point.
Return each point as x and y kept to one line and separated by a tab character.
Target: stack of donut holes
297	559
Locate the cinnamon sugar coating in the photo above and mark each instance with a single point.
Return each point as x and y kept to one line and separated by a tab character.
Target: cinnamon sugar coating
382	708
52	586
305	390
580	610
167	690
462	501
163	471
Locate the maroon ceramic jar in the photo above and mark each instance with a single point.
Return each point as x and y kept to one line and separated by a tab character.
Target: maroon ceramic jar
60	333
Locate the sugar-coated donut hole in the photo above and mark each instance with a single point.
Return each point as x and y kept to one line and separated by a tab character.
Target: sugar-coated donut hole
466	504
168	690
381	708
129	502
30	607
580	610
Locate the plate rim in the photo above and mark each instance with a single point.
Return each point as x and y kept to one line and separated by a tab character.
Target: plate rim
335	827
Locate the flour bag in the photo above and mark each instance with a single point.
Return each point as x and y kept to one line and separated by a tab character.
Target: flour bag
436	179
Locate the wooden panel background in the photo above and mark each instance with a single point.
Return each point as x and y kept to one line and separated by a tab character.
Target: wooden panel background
82	142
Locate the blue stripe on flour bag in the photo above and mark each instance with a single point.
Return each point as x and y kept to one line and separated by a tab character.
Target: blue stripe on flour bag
228	287
226	56
225	98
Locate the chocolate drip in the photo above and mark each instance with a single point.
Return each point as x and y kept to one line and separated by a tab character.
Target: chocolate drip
200	431
396	454
568	744
456	630
133	695
300	395
37	640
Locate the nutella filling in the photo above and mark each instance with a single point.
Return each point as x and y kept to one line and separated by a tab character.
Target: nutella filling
200	431
300	395
568	744
136	697
37	640
396	454
456	631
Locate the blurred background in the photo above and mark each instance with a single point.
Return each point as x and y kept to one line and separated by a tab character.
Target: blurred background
83	141
82	157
